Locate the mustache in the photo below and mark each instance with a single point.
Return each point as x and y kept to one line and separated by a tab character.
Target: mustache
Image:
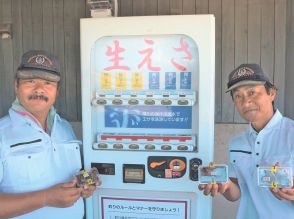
40	97
249	109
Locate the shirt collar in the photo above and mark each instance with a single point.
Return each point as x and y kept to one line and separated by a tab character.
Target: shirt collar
27	117
277	117
18	118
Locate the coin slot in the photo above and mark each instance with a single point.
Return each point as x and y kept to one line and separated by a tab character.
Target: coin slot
165	94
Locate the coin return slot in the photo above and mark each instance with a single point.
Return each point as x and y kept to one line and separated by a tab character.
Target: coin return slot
134	173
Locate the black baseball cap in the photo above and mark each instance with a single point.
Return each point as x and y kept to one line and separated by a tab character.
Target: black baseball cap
39	64
247	74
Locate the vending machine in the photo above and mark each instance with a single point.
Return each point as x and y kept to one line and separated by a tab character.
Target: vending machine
148	114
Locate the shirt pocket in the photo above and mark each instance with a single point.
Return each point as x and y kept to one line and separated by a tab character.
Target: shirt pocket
25	165
241	164
70	156
283	160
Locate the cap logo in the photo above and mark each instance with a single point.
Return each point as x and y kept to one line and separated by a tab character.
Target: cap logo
242	72
40	60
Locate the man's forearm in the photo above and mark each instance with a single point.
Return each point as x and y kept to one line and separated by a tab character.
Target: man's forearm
12	205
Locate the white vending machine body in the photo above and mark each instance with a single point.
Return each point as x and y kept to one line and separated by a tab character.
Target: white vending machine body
148	114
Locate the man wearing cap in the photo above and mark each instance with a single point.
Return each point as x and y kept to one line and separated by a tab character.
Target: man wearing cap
39	153
268	142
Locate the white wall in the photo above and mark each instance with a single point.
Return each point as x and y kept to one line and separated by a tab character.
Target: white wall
222	209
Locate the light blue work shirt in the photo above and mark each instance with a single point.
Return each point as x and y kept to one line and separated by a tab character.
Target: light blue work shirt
32	160
249	150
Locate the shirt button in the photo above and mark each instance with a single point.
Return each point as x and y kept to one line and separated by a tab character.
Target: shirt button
29	157
257	165
234	161
258	142
54	149
257	154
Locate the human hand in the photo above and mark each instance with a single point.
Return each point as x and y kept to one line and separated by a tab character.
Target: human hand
62	195
213	188
283	193
88	190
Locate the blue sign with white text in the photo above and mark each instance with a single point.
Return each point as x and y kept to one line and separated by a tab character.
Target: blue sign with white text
161	117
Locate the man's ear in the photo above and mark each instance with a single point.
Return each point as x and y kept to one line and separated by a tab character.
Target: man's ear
15	86
58	90
273	93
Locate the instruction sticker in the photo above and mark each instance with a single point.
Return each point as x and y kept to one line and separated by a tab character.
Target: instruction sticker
138	208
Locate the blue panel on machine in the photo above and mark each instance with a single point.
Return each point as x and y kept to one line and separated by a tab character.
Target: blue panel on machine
167	117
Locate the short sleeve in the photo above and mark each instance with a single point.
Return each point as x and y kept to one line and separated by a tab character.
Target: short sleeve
231	167
1	164
1	170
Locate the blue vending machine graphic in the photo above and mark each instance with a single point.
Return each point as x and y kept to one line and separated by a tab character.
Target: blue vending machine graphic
148	114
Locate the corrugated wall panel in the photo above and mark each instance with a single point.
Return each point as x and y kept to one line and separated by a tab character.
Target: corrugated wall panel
241	40
215	7
59	51
280	51
228	56
289	81
163	7
8	76
246	31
